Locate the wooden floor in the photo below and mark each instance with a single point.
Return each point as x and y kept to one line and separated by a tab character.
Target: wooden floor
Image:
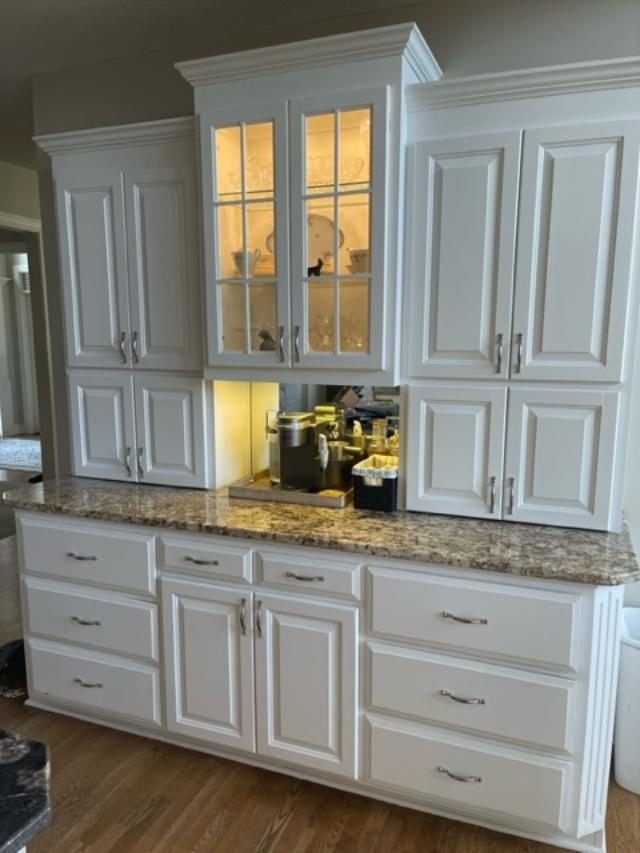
126	794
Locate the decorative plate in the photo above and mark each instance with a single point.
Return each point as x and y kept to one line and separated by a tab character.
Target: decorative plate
319	238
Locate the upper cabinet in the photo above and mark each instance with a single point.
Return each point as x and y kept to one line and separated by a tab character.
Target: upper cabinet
574	262
129	247
301	196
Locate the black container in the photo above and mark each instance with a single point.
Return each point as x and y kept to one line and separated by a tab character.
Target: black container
382	498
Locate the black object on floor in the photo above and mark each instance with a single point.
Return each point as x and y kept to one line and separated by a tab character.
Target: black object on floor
24	790
13	673
37	478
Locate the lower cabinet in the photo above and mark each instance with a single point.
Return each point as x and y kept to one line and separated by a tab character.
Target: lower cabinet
305	673
559	448
141	428
209	662
306	683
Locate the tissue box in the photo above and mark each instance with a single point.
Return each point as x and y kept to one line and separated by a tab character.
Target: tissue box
375	483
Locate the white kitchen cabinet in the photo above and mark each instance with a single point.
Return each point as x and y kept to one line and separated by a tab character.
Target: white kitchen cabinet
462	207
208	648
306	677
141	427
129	247
94	268
455	449
575	251
560	462
102	424
171	428
164	265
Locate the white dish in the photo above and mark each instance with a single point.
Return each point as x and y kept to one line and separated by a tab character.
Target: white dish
320	238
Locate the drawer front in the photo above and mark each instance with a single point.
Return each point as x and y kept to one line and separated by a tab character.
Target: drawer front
88	680
517	623
310	574
117	625
477	697
89	553
198	555
416	760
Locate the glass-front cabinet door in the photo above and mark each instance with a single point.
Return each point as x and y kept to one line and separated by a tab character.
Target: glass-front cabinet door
245	220
337	162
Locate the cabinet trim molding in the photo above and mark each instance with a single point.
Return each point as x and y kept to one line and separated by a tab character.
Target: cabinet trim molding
566	79
119	136
405	39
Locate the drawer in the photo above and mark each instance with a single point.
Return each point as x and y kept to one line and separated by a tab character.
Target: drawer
494	619
95	682
203	556
477	697
84	616
86	552
415	759
310	574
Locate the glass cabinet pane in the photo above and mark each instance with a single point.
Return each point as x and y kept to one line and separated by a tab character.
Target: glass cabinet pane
354	221
228	162
321	239
230	241
259	171
355	149
321	316
232	311
354	316
262	316
261	242
320	146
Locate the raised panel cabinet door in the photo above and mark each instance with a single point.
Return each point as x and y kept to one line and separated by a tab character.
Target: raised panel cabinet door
462	207
94	269
560	460
102	425
208	648
164	269
455	449
171	419
575	251
306	683
244	152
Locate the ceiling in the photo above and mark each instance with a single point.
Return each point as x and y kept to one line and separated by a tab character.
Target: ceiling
38	37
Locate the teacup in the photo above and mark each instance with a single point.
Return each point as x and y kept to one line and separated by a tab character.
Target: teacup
245	261
359	260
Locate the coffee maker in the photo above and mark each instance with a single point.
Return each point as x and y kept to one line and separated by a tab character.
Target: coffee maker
312	449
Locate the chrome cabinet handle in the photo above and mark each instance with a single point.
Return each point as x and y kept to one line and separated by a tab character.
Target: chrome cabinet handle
127	460
198	562
87	683
79	621
281	343
464	619
134	348
458	777
499	338
243	624
123	338
318	578
296	342
139	452
519	339
259	618
75	556
462	699
492	495
511	481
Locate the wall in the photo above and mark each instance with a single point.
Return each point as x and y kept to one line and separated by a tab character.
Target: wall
19	191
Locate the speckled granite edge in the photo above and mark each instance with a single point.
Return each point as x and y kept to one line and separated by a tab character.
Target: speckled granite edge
24	790
578	556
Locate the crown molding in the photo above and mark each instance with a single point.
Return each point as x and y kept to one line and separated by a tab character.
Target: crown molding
397	40
118	136
528	83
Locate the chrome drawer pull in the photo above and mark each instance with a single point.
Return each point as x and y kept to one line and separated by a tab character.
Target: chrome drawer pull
259	619
492	495
134	348
461	699
519	340
459	778
127	460
243	624
318	578
281	343
465	620
499	348
296	343
198	562
123	355
75	556
80	621
139	452
87	683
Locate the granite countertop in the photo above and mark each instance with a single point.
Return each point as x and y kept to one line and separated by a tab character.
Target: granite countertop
24	790
555	553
